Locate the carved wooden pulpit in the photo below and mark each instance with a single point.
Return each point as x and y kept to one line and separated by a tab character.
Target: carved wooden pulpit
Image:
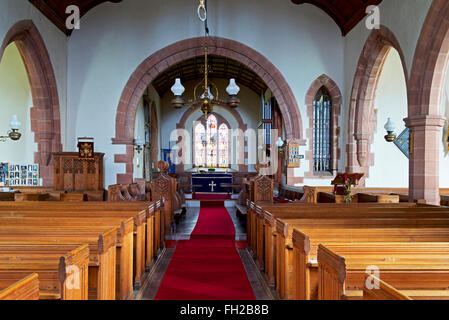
164	187
74	174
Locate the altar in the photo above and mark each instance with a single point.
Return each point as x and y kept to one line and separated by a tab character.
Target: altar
211	182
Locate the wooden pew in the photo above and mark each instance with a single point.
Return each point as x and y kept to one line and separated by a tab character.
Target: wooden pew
124	241
102	251
379	198
25	289
304	284
284	231
411	266
262	222
286	210
154	221
384	291
60	277
141	220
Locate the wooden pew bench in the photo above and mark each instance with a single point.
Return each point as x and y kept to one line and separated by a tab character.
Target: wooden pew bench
263	234
410	266
124	245
102	252
135	244
25	289
60	277
255	212
154	220
383	291
303	256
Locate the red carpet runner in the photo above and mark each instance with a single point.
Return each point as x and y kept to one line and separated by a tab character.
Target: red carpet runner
207	267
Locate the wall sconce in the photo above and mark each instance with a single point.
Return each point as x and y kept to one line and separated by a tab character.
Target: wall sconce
14	134
281	146
404	141
390	127
138	147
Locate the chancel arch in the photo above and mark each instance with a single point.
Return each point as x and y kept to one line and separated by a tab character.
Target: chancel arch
159	62
44	113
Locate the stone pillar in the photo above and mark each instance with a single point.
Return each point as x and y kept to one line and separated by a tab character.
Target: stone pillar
425	131
44	157
127	158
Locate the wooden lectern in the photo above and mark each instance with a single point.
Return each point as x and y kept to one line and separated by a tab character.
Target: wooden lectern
73	174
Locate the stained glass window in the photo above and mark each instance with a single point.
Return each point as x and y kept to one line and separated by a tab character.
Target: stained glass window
200	145
223	146
211	144
322	133
211	135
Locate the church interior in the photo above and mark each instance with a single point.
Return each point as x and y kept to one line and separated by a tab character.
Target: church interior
224	150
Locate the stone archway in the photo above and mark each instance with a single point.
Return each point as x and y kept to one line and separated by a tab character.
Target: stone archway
425	95
160	61
361	123
45	117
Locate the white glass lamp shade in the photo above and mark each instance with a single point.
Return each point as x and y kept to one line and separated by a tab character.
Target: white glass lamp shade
233	89
15	124
139	141
280	142
178	89
390	126
209	95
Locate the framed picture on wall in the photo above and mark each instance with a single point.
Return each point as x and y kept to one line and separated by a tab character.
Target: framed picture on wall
167	157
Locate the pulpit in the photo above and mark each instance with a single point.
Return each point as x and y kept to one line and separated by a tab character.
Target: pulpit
72	173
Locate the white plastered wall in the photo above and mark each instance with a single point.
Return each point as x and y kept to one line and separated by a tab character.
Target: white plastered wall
303	42
390	164
15	97
13	11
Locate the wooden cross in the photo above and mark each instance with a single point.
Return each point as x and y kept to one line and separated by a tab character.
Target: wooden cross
212	185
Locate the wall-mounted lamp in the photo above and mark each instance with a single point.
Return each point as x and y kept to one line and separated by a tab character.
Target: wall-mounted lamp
281	144
14	134
404	141
390	127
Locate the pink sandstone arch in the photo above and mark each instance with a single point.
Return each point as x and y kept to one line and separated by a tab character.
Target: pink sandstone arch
45	117
427	78
361	123
160	61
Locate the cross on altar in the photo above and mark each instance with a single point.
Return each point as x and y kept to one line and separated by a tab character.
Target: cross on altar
212	185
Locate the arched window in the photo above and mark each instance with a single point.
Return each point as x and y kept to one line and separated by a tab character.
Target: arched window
211	144
322	133
223	146
200	145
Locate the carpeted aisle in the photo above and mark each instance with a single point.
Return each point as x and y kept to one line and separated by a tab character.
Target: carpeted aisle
207	267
